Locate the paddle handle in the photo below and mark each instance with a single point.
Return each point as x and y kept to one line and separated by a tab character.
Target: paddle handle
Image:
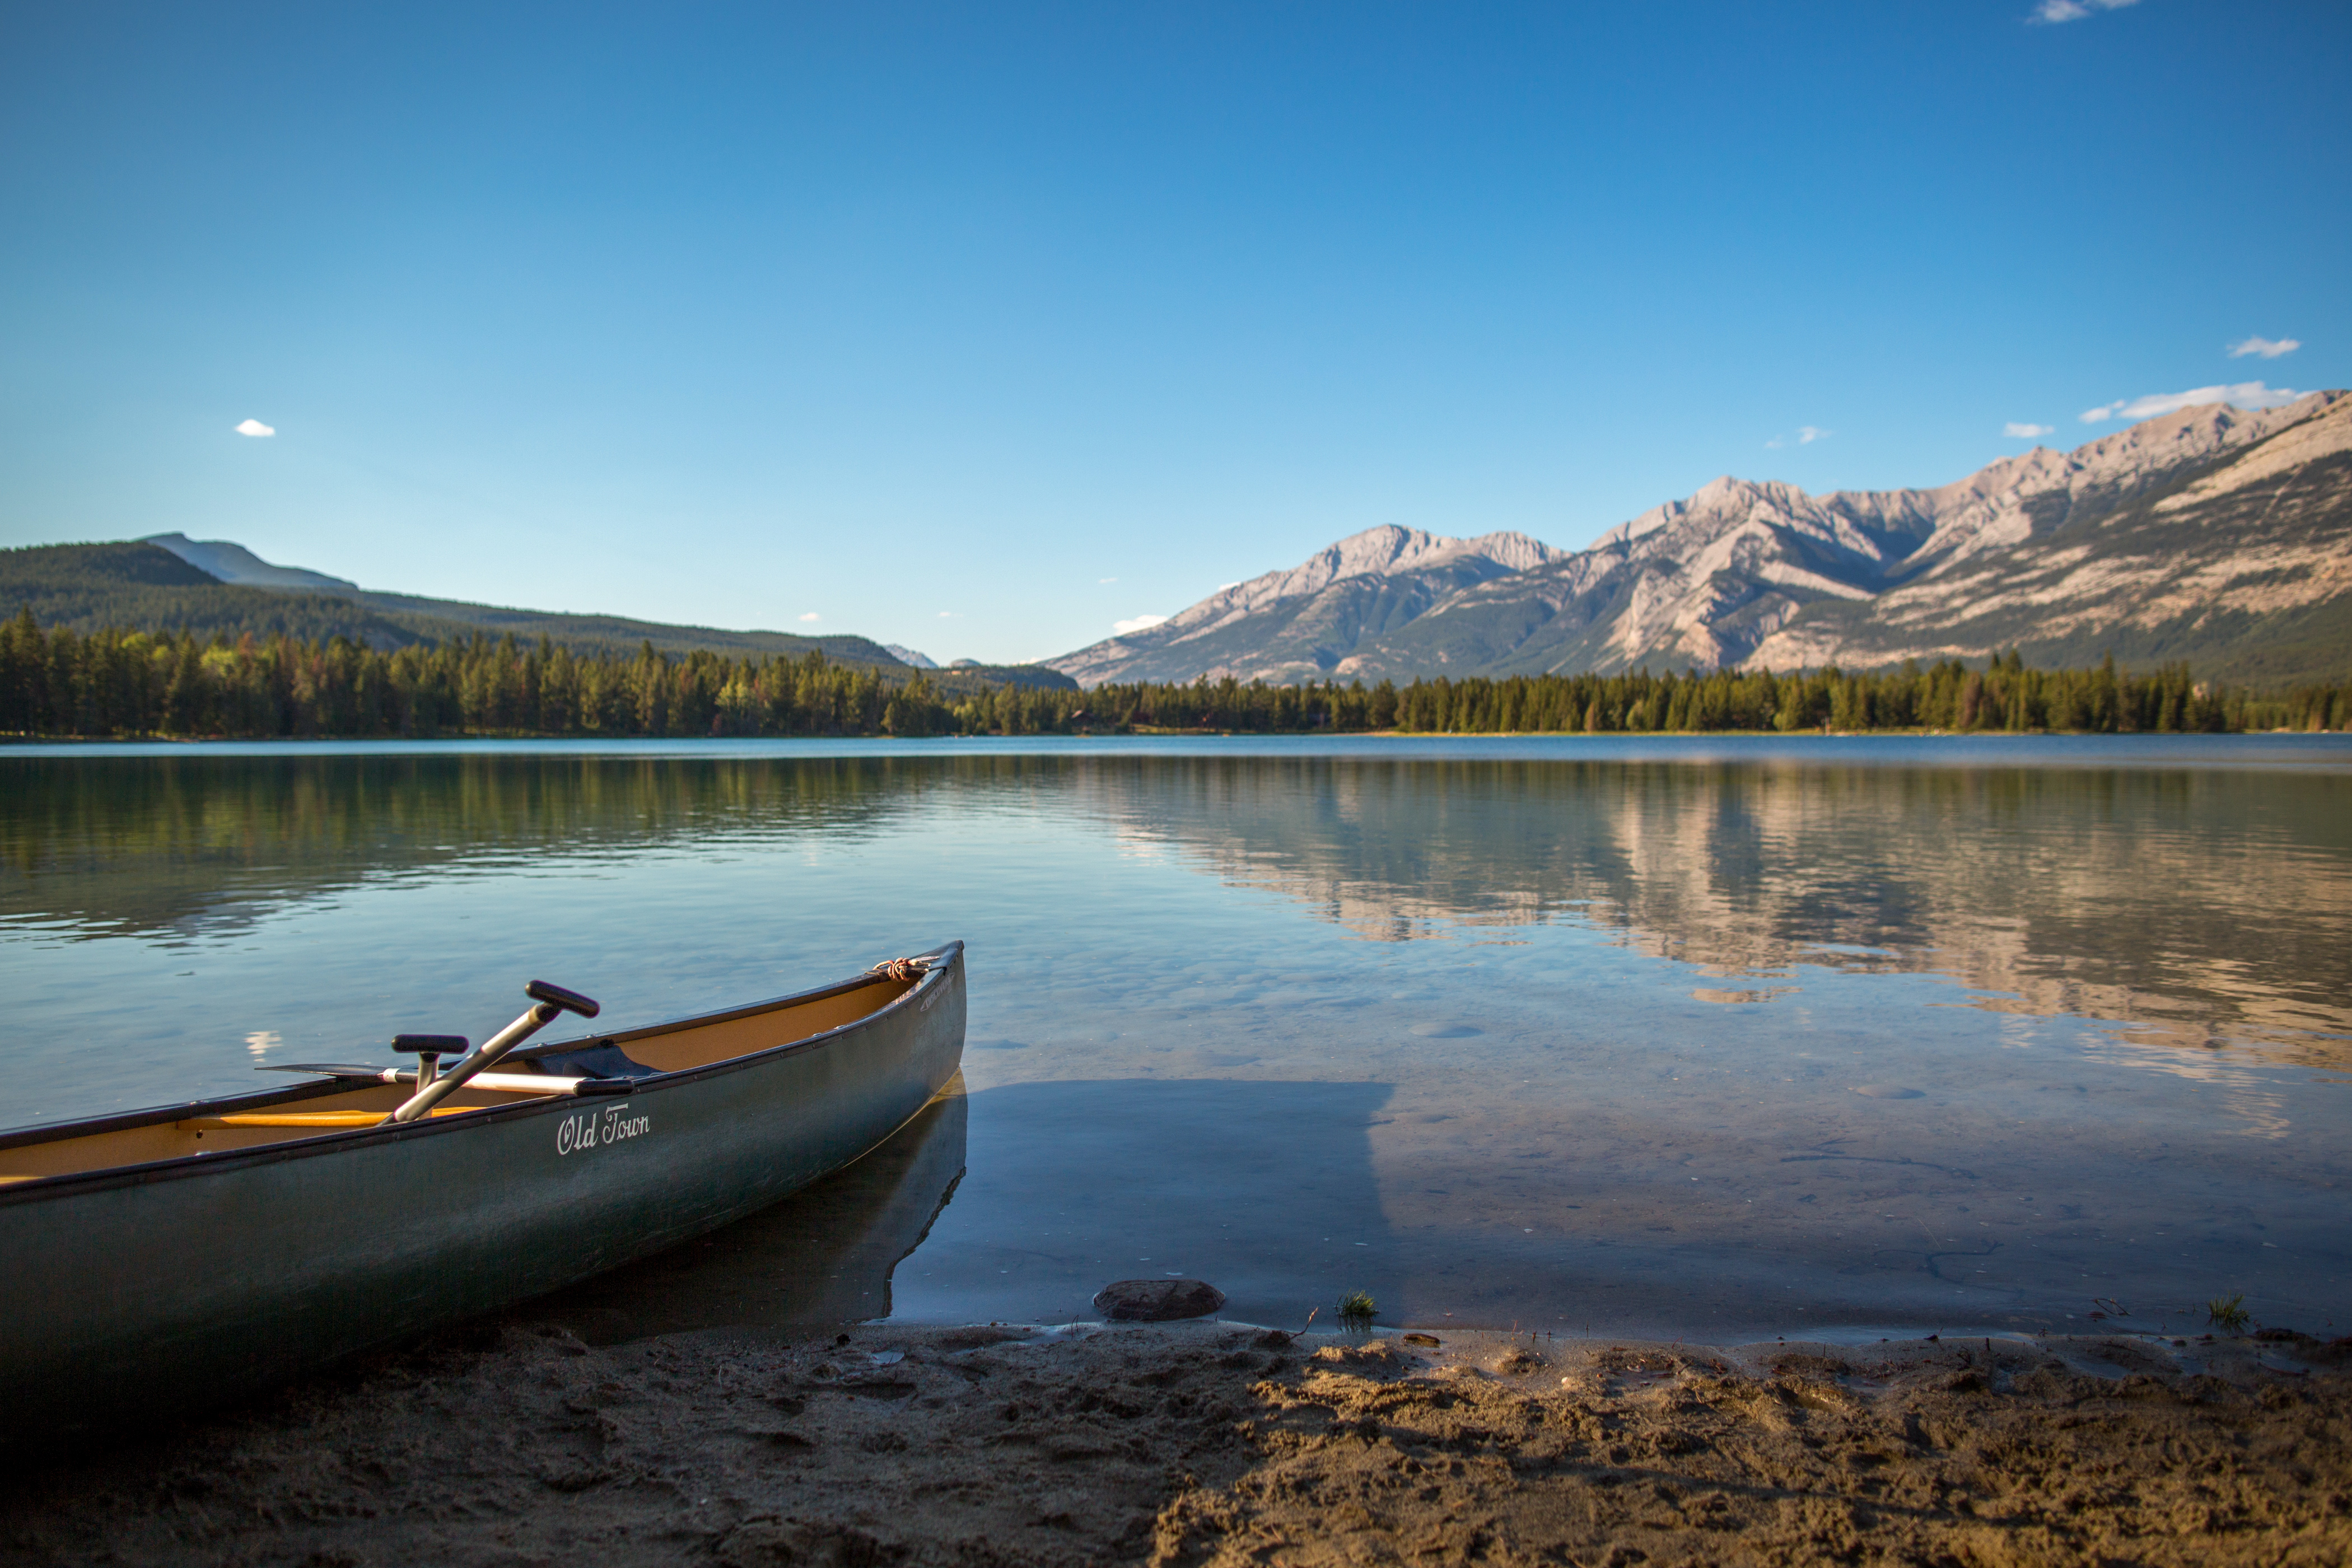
540	1015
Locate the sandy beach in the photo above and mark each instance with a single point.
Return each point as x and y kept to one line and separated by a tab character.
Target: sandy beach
1212	1443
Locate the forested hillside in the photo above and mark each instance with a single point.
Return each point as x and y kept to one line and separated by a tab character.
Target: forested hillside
132	684
139	585
90	587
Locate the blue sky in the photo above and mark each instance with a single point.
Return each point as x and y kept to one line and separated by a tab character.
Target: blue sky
981	328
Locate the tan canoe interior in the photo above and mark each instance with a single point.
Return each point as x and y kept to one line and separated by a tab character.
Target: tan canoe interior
670	1050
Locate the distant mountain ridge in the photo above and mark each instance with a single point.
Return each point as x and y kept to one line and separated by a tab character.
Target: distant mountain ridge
1303	623
233	563
2210	534
167	582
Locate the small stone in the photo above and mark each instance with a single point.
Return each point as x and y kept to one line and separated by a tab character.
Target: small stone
1158	1301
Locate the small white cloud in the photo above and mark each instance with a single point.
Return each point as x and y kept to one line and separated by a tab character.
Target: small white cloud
1222	586
255	427
2241	394
2055	11
1106	579
811	616
1140	624
1807	435
2019	432
949	616
2266	347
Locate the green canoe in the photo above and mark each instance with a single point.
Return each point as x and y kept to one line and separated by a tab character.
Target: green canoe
190	1253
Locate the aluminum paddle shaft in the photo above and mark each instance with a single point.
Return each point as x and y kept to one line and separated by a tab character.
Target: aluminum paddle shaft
548	1004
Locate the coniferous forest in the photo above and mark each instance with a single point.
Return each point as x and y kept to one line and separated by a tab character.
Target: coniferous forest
115	684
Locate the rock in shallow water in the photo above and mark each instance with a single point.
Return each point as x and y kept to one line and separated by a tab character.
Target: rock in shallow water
1158	1301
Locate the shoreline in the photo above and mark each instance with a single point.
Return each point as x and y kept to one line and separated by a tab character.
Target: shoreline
688	744
1210	1442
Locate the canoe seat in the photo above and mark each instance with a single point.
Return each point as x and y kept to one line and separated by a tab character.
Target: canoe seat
597	1059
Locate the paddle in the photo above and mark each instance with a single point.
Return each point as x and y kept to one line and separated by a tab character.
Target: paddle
428	1050
332	1069
548	1004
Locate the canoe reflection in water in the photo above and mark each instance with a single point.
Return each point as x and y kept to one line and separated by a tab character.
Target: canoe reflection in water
822	1257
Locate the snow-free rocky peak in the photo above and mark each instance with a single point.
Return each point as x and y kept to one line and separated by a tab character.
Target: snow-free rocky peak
2211	533
1301	622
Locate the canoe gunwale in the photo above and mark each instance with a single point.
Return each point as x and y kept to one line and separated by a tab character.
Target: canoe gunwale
943	958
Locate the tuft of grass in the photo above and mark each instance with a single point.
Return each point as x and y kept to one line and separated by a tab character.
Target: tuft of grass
1357	1311
2228	1314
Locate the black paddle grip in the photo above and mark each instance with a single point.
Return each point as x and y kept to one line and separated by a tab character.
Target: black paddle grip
557	996
441	1045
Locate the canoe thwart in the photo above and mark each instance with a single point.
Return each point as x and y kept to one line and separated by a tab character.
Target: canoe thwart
496	1083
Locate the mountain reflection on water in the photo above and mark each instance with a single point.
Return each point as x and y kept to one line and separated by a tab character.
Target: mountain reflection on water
1717	1039
2194	905
2186	905
187	841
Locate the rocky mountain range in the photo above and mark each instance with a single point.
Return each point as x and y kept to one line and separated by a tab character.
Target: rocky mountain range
2211	533
1298	625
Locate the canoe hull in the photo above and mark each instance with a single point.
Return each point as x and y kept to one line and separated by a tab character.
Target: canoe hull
196	1279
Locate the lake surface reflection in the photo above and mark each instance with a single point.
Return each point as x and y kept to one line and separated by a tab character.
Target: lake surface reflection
1706	1037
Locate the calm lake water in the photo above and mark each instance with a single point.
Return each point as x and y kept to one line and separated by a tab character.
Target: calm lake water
1703	1037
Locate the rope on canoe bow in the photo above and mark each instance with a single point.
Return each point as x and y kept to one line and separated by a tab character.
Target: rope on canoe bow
902	968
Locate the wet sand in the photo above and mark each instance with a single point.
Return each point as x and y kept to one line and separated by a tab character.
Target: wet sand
1211	1442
